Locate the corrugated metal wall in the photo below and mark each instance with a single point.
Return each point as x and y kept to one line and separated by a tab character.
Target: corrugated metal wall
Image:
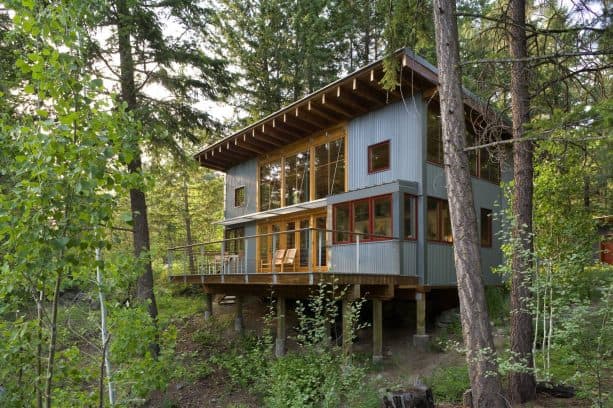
440	263
401	123
375	257
409	258
242	175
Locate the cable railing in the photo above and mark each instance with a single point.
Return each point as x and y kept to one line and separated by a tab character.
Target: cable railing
298	250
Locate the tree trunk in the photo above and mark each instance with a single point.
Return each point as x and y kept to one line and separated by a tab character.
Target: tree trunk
39	350
188	229
138	203
52	340
522	385
476	330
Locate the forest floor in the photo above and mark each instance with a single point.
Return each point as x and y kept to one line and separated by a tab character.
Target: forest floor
403	365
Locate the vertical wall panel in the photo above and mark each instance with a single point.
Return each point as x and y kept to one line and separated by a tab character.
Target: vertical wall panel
401	123
375	257
409	255
242	175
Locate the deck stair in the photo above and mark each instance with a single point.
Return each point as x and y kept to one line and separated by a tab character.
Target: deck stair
226	300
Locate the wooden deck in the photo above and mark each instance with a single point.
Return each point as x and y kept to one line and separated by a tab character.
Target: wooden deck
302	284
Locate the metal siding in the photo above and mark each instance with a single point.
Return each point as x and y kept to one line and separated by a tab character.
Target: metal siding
250	249
375	257
242	175
401	124
441	268
409	255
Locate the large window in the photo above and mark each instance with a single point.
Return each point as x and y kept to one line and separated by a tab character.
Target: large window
481	163
329	168
296	173
438	221
371	218
410	217
234	245
270	185
486	227
379	157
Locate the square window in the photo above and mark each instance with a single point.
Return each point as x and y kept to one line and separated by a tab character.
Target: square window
379	157
239	196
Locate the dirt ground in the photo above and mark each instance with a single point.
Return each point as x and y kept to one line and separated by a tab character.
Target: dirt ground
402	364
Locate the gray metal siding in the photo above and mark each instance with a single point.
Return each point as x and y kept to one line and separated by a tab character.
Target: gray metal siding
250	246
440	263
381	257
242	175
401	123
409	258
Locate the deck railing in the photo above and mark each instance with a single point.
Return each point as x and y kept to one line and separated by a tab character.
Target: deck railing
240	255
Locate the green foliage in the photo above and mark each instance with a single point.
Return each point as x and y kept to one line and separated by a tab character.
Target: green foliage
497	303
449	383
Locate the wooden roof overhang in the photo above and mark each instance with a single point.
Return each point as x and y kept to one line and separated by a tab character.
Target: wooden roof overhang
351	96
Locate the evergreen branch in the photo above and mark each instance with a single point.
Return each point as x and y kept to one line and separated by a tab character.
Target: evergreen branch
538	57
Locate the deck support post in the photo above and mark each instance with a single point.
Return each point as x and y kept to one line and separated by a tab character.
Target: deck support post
347	326
238	319
377	330
208	306
420	339
281	328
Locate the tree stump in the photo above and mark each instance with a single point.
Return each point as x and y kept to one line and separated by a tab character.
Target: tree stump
416	397
467	399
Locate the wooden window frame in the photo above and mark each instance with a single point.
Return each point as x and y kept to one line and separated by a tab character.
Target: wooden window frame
308	144
371	219
488	213
236	196
413	198
439	221
387	143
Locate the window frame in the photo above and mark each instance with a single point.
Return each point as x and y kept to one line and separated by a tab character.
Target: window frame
413	199
387	143
244	200
371	219
439	221
490	228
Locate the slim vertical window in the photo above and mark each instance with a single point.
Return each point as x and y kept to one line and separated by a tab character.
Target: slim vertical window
486	227
434	138
361	219
270	185
239	196
438	221
342	222
410	217
234	245
329	164
379	157
382	217
296	173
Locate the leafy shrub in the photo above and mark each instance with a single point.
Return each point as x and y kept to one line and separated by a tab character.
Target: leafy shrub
449	383
497	303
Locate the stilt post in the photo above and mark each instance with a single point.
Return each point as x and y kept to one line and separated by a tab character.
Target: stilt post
281	328
377	330
238	319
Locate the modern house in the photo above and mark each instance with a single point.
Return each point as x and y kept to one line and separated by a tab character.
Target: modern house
347	184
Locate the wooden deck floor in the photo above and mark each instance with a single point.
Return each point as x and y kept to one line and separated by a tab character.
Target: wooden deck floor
301	284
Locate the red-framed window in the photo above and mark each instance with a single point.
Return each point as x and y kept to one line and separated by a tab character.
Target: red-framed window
486	227
371	217
438	221
409	221
379	157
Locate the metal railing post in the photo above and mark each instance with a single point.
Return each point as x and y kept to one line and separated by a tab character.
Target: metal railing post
202	260
273	250
169	263
245	251
319	248
223	265
310	249
357	254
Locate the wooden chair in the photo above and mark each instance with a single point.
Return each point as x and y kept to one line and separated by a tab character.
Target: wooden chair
290	259
277	260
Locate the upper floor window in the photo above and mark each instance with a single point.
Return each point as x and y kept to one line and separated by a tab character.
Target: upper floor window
410	217
234	244
379	157
480	160
270	185
438	221
486	227
239	196
370	219
296	172
329	164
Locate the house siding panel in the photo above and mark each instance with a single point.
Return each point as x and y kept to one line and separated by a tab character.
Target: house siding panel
440	263
242	175
401	124
409	258
375	257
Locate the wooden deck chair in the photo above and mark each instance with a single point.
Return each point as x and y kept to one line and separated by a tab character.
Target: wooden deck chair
290	259
277	260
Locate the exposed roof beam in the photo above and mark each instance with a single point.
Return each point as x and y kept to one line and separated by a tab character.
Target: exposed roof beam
360	89
303	115
333	103
317	110
247	145
266	139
